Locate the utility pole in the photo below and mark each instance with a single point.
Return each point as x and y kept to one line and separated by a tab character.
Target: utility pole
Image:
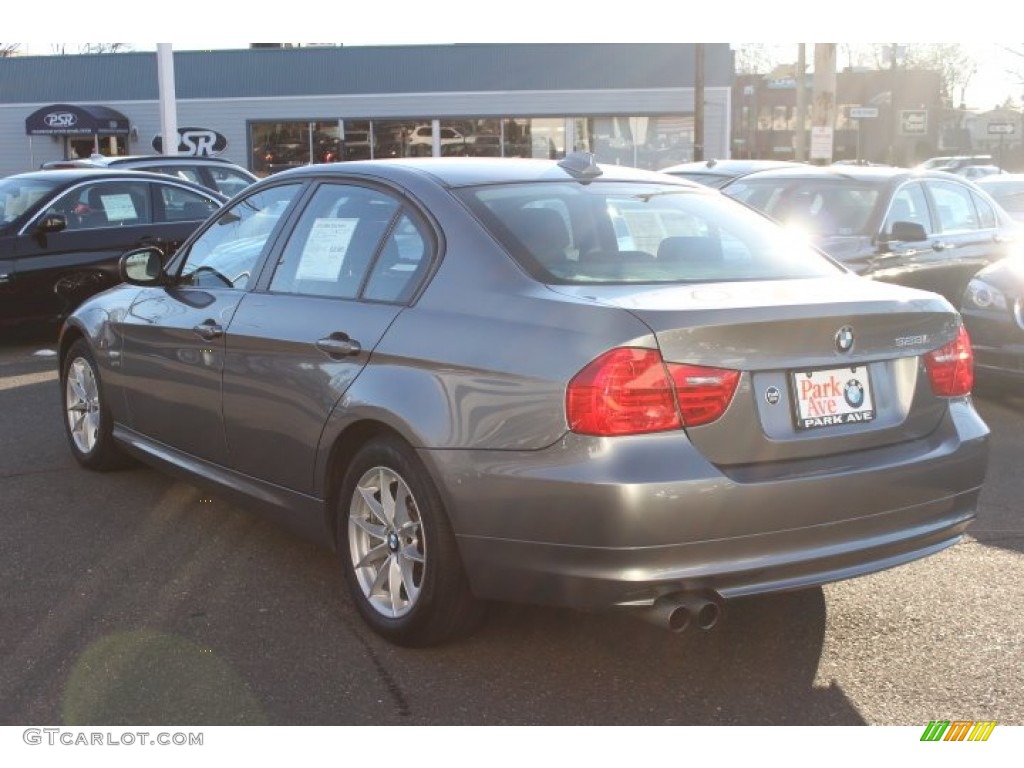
800	144
168	102
893	116
823	105
698	103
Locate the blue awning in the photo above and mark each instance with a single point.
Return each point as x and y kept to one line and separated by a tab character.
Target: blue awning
72	119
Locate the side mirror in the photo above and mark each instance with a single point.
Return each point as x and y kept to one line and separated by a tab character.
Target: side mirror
143	266
53	222
907	232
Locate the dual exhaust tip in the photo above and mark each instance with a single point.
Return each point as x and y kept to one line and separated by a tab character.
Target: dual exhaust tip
678	612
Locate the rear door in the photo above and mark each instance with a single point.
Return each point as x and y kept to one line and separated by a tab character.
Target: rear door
346	270
968	238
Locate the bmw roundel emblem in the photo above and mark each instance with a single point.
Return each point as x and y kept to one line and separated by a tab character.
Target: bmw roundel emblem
853	393
844	339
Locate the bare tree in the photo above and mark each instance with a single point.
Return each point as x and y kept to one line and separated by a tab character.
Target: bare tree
1017	68
754	59
62	49
8	49
950	60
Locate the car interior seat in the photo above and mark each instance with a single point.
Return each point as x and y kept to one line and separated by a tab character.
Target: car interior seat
543	233
681	249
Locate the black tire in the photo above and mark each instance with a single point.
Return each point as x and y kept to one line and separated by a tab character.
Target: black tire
412	589
88	425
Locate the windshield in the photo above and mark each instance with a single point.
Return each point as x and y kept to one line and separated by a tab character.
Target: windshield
819	207
614	232
20	195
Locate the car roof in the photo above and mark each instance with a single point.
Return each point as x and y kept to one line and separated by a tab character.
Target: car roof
872	173
471	171
999	178
69	176
728	167
103	161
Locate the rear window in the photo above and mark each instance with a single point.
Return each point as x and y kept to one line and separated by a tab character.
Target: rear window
819	207
613	232
1010	195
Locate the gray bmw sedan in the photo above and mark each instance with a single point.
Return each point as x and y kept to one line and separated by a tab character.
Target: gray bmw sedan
528	380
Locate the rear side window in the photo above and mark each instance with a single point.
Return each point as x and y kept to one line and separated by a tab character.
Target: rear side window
909	204
954	207
335	241
180	204
613	232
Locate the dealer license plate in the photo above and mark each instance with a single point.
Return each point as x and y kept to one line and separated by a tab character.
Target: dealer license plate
834	396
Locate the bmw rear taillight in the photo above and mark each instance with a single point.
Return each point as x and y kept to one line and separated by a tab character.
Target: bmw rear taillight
703	393
951	367
629	391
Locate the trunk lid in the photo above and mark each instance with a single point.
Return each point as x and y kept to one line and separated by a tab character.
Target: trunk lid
788	338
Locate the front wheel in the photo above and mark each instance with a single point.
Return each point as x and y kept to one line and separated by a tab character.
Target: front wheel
87	419
397	550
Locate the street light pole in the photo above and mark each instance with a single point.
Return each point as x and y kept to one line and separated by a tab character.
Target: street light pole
698	103
800	143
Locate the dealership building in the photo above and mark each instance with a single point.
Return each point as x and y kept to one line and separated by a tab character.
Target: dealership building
272	108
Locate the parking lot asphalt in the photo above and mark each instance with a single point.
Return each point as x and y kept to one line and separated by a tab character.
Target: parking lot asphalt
132	598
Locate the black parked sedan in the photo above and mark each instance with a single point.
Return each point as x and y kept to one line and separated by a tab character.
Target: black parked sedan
62	232
216	173
717	173
924	229
993	311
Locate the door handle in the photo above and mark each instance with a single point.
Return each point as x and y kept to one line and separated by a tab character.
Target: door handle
208	330
339	345
938	245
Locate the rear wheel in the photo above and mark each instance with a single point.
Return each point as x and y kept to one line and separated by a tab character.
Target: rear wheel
397	549
87	419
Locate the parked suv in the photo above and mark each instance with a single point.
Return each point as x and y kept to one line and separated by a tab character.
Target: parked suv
214	173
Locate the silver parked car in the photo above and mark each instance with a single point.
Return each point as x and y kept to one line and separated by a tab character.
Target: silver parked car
486	379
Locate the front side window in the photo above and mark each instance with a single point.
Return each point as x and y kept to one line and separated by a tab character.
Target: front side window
105	204
226	253
18	196
638	233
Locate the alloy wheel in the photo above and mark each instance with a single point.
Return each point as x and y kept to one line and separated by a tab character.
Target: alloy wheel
386	542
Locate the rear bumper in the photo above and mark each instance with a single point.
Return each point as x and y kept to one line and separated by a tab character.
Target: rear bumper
594	523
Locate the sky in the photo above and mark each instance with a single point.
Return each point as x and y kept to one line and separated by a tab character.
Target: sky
412	22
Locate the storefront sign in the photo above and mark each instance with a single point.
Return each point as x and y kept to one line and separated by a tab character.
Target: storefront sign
914	122
860	113
195	142
821	143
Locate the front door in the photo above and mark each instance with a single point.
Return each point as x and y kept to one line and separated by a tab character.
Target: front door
174	337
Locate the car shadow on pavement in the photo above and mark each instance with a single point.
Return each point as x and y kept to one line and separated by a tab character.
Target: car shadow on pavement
757	666
999	522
